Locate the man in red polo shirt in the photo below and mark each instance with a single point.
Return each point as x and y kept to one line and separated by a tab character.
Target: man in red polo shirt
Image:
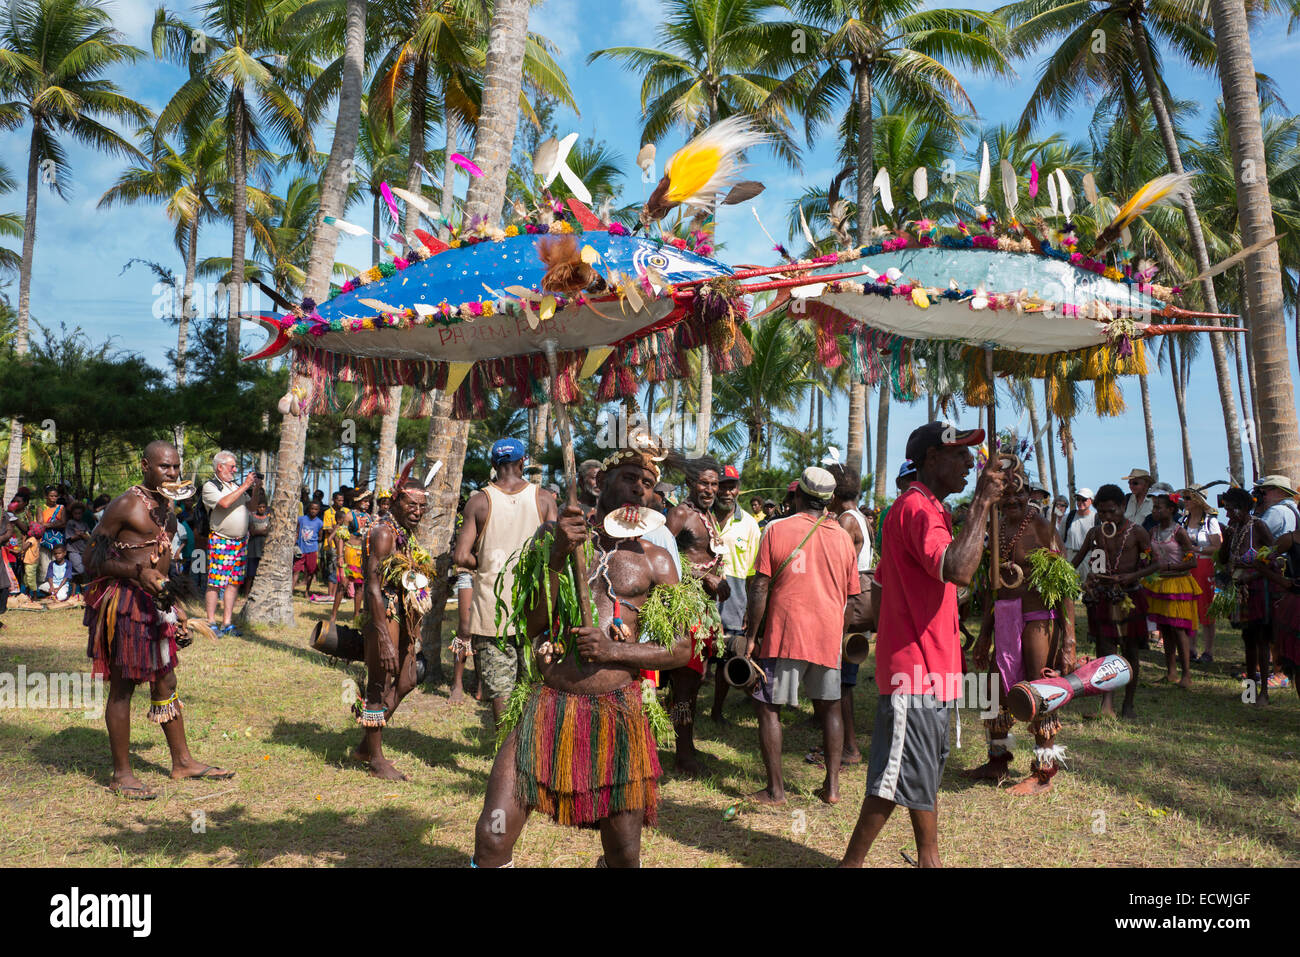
918	645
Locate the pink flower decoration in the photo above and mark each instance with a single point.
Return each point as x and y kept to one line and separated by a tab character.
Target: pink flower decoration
475	308
348	286
401	263
1076	258
320	328
679	243
1033	179
704	249
617	229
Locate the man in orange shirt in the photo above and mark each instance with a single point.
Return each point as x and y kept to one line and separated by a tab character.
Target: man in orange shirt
804	574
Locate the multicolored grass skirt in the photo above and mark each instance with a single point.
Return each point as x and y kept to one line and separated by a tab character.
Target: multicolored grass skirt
1133	627
1172	601
226	560
582	758
125	631
352	564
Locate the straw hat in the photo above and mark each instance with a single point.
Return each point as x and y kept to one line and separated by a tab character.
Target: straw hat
1276	481
1194	496
1137	474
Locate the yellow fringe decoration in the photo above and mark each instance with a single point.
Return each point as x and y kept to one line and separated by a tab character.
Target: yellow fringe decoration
1107	397
978	391
1136	364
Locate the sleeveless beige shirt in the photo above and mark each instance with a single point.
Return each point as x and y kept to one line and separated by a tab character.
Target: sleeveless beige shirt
512	519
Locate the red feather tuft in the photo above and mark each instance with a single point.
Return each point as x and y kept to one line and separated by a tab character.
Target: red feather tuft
585	216
434	244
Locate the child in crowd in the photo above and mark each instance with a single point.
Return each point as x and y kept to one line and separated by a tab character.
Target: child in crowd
308	547
58	576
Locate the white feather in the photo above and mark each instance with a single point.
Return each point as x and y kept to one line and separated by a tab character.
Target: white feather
344	226
1090	188
986	174
803	224
832	456
920	184
1067	194
576	185
1010	186
1051	192
881	183
428	478
561	160
412	200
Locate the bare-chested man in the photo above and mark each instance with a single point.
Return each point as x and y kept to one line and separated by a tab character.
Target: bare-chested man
614	785
1021	638
394	610
135	619
844	506
1115	556
699	539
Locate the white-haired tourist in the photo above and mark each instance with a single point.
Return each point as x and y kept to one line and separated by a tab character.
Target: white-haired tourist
227	504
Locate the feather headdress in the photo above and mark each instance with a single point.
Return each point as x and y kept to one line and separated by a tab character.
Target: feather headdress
703	168
1161	191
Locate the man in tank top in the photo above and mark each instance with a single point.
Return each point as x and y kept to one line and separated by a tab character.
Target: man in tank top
499	520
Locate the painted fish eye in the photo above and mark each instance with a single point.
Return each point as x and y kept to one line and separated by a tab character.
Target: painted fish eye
658	260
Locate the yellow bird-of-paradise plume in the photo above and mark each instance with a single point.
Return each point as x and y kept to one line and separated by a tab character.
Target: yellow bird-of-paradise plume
703	168
1161	191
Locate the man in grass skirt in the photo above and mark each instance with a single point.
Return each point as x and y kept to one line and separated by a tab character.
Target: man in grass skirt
578	745
1025	633
396	574
136	623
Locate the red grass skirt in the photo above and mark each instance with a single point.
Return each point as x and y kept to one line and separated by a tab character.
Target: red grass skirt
582	758
1132	627
1173	601
125	631
1203	573
1286	628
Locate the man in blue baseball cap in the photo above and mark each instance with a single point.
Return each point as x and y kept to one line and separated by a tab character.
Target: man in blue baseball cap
507	450
499	520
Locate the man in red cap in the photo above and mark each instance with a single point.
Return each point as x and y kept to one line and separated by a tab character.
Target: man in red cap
918	648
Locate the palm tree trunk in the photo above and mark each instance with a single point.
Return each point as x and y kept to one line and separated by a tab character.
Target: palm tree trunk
183	325
1279	439
1247	403
1155	95
704	419
1067	447
239	202
812	407
855	446
448	205
882	437
494	140
1180	403
415	148
1039	462
678	440
866	428
1150	429
1051	449
13	469
270	600
866	154
542	431
374	227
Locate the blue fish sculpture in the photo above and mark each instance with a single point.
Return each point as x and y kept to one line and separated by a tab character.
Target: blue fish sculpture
458	305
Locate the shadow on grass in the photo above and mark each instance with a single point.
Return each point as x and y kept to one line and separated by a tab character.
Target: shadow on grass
387	837
704	829
334	747
85	751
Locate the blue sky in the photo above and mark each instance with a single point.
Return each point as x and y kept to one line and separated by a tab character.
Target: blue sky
80	251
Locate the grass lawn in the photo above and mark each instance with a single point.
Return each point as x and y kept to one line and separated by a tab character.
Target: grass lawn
1198	779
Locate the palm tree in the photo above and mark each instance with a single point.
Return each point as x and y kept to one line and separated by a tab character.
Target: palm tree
861	49
717	58
11	226
236	73
1216	192
53	55
271	598
188	183
774	383
503	79
1125	59
1279	441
